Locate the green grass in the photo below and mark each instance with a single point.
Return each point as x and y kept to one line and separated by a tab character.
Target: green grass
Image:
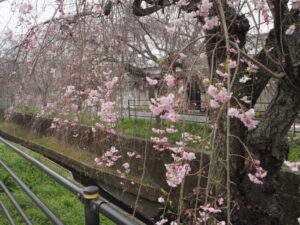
51	142
28	110
143	128
294	151
62	202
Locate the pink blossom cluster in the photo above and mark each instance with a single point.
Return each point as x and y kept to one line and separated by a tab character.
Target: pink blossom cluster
190	138
107	113
158	131
205	212
219	95
111	83
159	140
170	29
170	79
182	2
55	123
294	166
210	209
211	23
161	222
204	7
259	174
251	66
69	91
109	158
222	74
151	81
25	8
183	156
176	173
245	117
97	10
244	79
264	8
93	97
132	154
125	169
165	106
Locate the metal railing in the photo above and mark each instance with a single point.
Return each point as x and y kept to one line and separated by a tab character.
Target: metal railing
89	196
140	109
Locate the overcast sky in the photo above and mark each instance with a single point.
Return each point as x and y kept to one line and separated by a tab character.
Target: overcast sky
9	14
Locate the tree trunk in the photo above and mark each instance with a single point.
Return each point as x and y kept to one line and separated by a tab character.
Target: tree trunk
255	204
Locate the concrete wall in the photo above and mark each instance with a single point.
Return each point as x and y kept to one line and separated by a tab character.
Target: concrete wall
155	170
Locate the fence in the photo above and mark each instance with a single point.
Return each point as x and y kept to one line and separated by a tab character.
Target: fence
89	196
140	109
196	111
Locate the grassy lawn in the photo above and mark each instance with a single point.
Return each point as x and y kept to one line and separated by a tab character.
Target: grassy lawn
294	151
62	202
143	128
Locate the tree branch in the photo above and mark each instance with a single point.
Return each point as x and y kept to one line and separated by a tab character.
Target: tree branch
261	66
139	11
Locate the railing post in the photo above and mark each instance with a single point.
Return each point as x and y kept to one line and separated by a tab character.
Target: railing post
91	216
128	108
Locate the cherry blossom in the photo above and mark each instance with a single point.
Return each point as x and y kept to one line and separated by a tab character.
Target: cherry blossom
258	175
25	8
161	222
176	173
292	165
221	223
210	209
170	30
131	154
211	23
170	80
159	140
225	75
244	79
205	7
110	84
182	2
151	81
233	112
164	103
109	158
247	119
290	30
245	99
69	91
158	131
107	113
232	64
161	200
171	130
